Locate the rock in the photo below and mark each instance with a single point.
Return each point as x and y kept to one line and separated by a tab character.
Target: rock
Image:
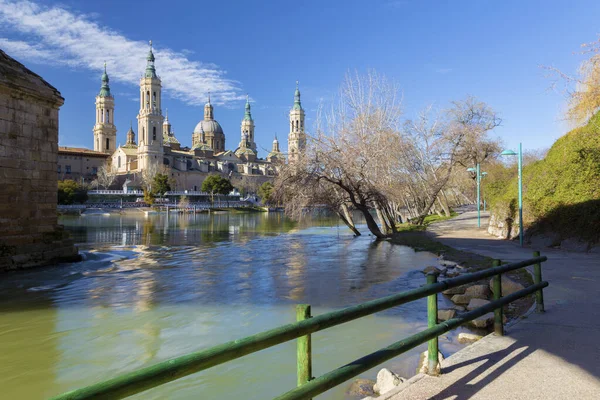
595	249
476	303
362	387
545	240
574	245
423	368
460	299
464	338
445	315
459	308
456	290
386	381
452	273
446	263
508	285
483	321
478	292
432	269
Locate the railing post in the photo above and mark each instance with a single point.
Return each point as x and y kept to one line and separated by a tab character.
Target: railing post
537	278
304	349
497	286
433	365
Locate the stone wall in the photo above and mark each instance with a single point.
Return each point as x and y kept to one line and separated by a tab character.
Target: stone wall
503	227
29	234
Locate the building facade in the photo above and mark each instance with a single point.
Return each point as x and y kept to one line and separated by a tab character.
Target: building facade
29	230
79	164
159	149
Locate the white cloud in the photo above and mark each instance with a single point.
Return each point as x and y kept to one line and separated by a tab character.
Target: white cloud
58	36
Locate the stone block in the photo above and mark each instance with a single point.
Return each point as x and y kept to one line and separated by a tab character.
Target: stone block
386	381
465	338
478	291
476	303
484	321
445	315
509	286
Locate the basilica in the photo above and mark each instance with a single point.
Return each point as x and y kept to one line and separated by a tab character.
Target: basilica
159	149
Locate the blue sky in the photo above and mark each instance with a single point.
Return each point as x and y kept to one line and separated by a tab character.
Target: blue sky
438	51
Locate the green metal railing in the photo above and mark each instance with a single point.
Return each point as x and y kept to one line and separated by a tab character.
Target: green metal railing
308	387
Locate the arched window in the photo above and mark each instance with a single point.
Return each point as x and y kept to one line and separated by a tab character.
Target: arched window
148	99
296	124
144	134
119	162
107	143
153	133
154	99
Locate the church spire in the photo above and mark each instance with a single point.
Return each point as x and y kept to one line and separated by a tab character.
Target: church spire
150	71
297	104
104	89
247	115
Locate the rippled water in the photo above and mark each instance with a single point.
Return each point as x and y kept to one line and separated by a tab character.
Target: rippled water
152	288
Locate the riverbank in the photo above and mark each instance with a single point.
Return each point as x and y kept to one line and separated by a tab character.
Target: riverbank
553	355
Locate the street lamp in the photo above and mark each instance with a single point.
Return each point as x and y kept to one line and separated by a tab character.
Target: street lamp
520	154
479	175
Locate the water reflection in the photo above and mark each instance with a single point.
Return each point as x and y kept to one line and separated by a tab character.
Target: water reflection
158	287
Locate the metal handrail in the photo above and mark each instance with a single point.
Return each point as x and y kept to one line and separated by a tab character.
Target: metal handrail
170	370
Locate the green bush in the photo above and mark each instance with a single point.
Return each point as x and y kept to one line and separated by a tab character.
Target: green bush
555	187
70	192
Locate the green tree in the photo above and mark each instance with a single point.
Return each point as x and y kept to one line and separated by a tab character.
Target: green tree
148	197
216	184
70	192
265	192
161	184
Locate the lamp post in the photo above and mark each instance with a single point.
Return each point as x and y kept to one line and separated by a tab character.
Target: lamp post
520	163
478	175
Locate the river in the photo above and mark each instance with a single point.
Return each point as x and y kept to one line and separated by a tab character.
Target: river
153	288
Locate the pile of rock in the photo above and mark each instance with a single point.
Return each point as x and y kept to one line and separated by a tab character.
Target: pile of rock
469	296
386	381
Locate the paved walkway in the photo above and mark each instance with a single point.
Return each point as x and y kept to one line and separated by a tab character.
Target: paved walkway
554	355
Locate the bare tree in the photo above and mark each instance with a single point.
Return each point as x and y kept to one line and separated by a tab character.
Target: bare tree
352	139
106	176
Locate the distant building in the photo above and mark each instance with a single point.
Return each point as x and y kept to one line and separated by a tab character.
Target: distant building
79	164
157	145
29	234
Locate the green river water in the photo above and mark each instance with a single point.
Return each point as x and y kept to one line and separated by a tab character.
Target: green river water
153	288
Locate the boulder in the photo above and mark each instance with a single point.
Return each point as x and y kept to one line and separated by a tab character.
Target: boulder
546	240
423	367
361	387
445	315
483	321
574	245
478	292
465	338
476	303
449	264
453	273
508	285
456	290
386	381
459	308
432	269
460	299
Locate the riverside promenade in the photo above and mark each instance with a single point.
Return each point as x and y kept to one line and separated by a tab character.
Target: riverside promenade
553	355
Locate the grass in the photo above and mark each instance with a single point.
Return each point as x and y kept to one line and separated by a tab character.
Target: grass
409	227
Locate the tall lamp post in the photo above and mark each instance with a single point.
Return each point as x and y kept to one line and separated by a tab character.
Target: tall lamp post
479	175
520	163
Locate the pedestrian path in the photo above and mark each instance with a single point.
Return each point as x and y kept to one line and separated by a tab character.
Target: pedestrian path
554	355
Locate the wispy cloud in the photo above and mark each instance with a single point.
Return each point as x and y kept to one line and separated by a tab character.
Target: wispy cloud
59	36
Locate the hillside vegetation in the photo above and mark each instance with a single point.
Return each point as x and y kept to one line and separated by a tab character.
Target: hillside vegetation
561	193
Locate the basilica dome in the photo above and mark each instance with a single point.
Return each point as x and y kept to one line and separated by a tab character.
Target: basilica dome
210	126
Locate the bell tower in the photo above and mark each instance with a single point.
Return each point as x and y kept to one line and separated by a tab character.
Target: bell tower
105	132
297	135
150	119
248	126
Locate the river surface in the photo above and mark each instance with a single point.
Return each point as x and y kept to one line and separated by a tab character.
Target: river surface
157	287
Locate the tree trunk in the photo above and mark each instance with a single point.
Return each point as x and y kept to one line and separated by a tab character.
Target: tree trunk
384	225
371	224
349	220
349	223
